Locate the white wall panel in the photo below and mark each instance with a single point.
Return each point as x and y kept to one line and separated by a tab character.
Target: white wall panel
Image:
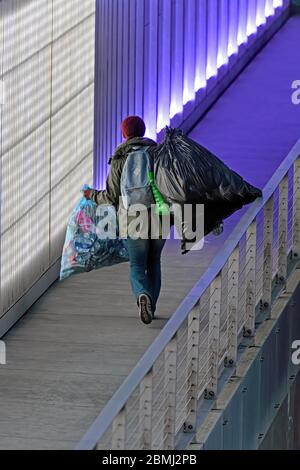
25	175
28	98
24	253
72	135
27	29
47	129
63	198
68	14
73	63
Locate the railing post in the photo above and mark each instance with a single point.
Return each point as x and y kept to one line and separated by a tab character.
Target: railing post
251	238
193	367
119	431
145	414
232	307
170	387
296	208
214	337
268	255
283	229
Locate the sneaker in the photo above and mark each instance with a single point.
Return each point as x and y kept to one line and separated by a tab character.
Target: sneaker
145	309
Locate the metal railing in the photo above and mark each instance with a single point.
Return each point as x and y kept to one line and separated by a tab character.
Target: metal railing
160	399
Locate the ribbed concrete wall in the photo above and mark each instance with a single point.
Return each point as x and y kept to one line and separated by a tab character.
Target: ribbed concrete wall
47	67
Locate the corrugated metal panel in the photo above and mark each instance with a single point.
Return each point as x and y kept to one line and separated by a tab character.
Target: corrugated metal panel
251	396
177	52
154	55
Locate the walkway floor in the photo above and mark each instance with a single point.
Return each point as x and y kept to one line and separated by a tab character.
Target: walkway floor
75	346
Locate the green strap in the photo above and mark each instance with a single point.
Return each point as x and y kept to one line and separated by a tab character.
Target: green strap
161	207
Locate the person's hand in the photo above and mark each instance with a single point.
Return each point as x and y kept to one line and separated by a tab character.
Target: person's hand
87	193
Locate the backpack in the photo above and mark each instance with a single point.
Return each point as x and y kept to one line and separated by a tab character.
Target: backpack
135	184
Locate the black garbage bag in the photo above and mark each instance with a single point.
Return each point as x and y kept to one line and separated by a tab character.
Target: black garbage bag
188	173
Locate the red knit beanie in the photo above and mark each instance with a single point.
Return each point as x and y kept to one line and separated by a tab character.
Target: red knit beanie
133	126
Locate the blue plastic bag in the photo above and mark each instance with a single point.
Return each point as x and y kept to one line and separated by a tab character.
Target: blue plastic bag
85	249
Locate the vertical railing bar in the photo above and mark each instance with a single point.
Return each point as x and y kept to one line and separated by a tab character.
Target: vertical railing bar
232	307
145	414
296	208
193	366
283	229
170	387
214	337
119	430
251	248
268	253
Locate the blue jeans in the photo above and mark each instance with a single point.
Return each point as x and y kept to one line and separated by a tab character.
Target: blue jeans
145	267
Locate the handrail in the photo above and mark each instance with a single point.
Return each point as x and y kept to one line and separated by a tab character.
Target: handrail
120	398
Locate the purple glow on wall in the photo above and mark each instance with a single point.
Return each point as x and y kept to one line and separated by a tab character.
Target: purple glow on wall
150	114
176	105
243	17
233	27
269	11
201	45
189	51
251	22
154	55
261	12
212	39
163	112
139	54
222	57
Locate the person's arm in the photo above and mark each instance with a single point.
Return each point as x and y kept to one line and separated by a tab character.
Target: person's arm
110	195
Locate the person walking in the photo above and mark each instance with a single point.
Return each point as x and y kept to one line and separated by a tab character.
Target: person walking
144	252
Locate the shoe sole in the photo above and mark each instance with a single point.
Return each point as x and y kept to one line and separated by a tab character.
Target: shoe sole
145	315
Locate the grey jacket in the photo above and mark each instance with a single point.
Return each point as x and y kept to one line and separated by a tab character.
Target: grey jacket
112	194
